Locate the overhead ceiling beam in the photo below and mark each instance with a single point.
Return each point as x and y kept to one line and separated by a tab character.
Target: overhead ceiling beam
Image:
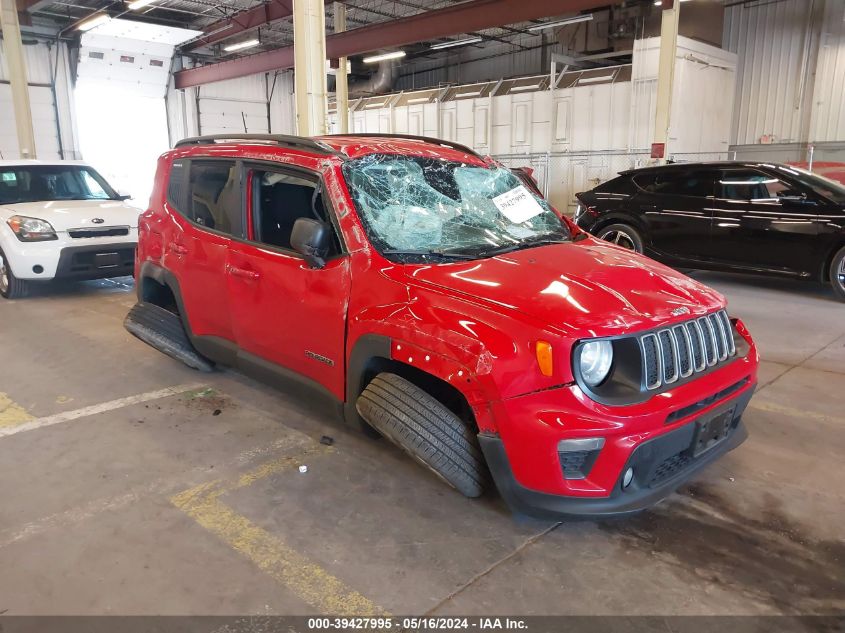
243	21
459	18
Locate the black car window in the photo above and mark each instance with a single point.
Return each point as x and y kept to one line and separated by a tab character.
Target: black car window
750	185
696	183
279	200
214	199
621	185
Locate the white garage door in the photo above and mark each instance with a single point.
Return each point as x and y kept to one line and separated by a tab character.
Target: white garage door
43	122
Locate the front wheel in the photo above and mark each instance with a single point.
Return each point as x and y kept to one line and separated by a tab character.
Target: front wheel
837	274
10	286
622	235
425	429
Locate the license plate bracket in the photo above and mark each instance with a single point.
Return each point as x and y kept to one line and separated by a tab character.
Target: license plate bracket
107	260
711	432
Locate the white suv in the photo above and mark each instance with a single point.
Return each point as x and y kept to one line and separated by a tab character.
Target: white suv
61	220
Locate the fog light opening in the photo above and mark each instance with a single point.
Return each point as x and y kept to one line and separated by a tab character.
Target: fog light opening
37	269
627	478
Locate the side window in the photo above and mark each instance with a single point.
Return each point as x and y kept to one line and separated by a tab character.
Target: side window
214	199
621	185
279	200
699	184
176	186
750	185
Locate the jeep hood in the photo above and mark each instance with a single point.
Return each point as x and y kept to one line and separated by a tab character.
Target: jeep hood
587	286
74	214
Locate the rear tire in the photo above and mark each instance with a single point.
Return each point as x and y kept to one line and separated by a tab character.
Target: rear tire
426	430
10	286
622	235
837	274
163	330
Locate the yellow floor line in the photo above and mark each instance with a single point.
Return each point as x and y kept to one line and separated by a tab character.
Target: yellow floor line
306	579
11	413
797	413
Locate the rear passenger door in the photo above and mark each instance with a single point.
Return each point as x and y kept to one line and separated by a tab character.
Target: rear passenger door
676	206
284	311
208	194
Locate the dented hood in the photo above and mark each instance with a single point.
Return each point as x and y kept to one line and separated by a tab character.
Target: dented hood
588	285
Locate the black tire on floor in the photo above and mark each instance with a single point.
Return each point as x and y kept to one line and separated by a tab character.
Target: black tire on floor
837	274
426	430
163	330
623	235
10	286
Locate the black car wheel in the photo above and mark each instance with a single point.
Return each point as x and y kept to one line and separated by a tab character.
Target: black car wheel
10	286
622	235
837	273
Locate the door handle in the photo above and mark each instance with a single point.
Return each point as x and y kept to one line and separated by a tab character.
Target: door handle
178	249
243	273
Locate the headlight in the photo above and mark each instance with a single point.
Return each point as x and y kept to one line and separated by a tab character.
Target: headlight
31	229
595	360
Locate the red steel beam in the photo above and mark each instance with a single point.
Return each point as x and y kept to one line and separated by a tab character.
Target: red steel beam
460	18
243	21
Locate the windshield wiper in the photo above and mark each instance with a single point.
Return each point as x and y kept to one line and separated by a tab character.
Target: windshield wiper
444	254
516	246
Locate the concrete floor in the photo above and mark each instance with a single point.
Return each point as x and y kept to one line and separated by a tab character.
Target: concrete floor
190	501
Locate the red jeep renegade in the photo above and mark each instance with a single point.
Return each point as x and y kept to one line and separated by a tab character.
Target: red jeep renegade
443	304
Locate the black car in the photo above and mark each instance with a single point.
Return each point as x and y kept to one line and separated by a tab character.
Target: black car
734	216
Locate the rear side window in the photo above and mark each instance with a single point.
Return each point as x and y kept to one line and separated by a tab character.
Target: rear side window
175	186
698	183
621	185
213	198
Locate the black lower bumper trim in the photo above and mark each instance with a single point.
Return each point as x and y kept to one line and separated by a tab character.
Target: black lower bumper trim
641	494
97	261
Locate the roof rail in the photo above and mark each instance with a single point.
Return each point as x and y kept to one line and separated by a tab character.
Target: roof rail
294	142
412	137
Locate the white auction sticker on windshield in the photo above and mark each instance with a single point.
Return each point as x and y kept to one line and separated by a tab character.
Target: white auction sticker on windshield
518	205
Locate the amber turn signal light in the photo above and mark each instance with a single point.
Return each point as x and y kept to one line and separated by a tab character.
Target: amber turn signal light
544	357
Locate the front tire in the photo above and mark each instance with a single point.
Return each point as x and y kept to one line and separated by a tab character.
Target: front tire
622	235
837	274
425	429
10	286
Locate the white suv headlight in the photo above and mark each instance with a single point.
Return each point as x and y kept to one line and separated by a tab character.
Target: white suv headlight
594	361
31	229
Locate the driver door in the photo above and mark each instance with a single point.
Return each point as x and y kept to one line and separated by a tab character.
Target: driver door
761	222
283	311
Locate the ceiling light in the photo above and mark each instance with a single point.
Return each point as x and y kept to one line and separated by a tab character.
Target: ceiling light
419	100
138	4
564	22
521	88
469	40
97	20
461	95
384	57
241	45
595	79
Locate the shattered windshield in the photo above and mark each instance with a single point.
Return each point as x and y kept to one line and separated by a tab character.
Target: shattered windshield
427	208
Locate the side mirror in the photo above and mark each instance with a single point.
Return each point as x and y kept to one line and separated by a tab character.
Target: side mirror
312	239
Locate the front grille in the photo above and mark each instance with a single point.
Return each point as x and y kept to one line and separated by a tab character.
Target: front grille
105	231
669	467
573	462
687	348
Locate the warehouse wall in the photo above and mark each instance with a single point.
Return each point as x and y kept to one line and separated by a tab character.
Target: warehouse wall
257	104
791	72
51	100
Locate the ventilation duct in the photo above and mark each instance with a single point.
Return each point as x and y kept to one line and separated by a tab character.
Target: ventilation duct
380	83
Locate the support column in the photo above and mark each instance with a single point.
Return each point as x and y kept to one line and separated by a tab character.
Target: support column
666	75
341	78
309	43
13	49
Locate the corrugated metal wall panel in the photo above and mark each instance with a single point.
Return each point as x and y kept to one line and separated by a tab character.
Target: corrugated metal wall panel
37	60
774	47
829	105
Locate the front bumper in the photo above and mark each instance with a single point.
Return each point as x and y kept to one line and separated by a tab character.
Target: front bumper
660	465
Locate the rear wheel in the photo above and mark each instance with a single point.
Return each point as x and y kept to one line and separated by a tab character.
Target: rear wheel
837	274
425	429
622	235
10	286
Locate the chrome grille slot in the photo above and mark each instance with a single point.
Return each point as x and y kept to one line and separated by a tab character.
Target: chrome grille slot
651	361
686	349
100	231
682	340
669	353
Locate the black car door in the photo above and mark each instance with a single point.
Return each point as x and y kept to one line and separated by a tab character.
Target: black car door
676	206
765	223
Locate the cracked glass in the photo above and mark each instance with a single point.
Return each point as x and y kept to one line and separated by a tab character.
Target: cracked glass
420	208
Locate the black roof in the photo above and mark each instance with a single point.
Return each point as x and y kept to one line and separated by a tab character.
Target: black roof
699	165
